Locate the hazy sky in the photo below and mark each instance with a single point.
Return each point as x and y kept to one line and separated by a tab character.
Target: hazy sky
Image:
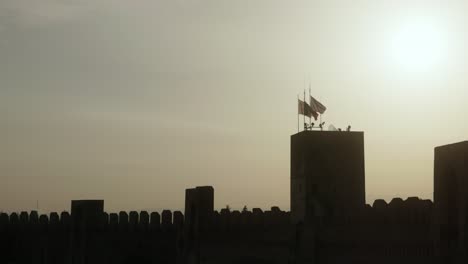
134	101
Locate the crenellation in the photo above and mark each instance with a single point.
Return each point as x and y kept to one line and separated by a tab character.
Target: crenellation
4	220
54	219
133	220
24	218
33	217
178	220
144	221
44	220
155	221
113	221
166	219
65	220
123	221
380	204
14	219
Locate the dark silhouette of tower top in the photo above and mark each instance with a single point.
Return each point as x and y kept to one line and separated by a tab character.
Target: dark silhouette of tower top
327	174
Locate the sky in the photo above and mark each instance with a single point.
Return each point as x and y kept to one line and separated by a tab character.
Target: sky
135	101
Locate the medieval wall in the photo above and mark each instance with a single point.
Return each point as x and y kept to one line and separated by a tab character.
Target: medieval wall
403	231
118	238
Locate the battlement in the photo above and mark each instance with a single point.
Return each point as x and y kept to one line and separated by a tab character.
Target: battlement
248	220
329	221
412	211
112	221
394	226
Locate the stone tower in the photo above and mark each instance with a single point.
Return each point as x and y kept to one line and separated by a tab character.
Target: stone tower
327	174
86	241
451	200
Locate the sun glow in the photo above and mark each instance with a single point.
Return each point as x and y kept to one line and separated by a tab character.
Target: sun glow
418	47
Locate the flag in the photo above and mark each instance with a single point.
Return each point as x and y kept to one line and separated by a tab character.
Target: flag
309	112
316	106
300	107
314	114
304	109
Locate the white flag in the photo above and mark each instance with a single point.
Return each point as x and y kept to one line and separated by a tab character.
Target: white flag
316	106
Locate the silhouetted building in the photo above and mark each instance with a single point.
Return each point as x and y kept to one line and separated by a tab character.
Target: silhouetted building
199	206
329	221
451	200
87	221
327	174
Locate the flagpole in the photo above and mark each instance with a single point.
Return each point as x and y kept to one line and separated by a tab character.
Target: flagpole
298	113
310	116
304	110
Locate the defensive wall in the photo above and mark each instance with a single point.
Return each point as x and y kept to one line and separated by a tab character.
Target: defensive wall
325	229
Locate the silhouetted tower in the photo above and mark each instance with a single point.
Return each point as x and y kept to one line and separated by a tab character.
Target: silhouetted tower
451	200
86	240
199	206
327	174
199	209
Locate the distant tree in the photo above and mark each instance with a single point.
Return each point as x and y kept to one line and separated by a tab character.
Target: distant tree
245	208
228	208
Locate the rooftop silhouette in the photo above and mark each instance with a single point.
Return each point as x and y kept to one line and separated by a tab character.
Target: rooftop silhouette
329	220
